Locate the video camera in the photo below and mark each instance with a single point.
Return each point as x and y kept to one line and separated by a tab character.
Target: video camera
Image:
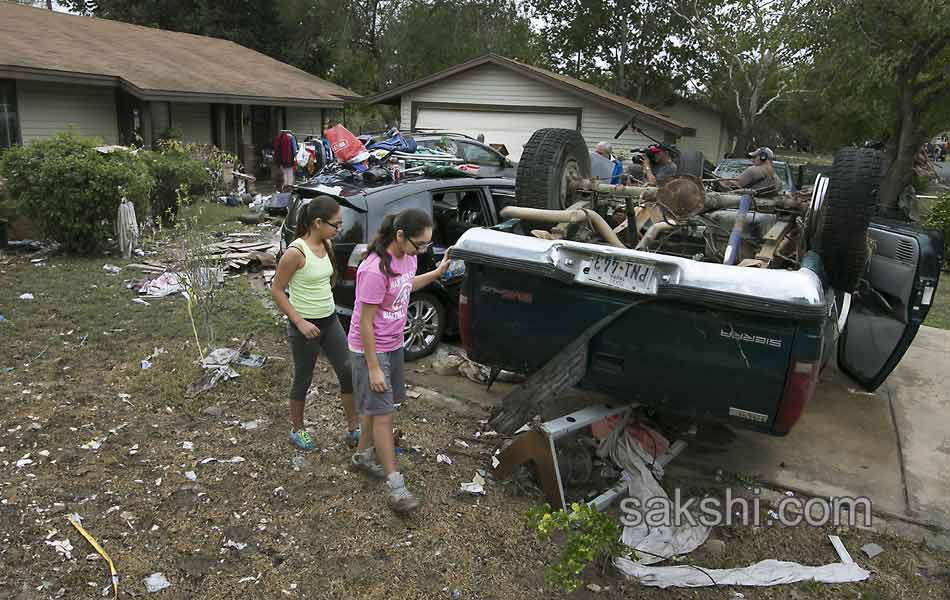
651	152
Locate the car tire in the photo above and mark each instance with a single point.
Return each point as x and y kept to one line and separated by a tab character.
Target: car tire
425	325
841	232
549	158
690	162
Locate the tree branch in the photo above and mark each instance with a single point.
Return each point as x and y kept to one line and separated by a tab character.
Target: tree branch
778	94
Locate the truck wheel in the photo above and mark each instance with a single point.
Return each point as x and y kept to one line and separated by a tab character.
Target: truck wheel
690	162
425	325
841	231
550	157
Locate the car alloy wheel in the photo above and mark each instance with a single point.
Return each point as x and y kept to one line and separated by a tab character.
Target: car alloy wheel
424	325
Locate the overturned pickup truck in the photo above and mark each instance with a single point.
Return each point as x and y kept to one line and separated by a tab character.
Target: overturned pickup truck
707	305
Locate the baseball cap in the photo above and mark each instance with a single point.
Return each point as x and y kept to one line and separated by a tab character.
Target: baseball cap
763	153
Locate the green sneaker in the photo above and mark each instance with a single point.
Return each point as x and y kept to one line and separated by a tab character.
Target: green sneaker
302	440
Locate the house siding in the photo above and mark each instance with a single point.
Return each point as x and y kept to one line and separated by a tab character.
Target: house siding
304	120
46	109
194	121
491	84
711	137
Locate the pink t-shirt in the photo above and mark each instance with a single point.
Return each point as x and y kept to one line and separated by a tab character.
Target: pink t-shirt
392	296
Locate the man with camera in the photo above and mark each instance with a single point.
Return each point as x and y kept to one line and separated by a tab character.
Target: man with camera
658	166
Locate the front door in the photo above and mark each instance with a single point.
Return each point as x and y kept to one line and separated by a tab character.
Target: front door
892	300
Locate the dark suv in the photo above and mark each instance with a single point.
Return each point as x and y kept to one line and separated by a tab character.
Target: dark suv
456	205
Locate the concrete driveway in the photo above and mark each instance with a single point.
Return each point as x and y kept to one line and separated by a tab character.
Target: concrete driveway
892	446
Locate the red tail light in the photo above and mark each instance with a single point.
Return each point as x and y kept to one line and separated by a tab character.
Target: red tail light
465	323
799	388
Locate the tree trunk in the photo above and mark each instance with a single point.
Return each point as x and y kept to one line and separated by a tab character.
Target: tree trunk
743	142
904	150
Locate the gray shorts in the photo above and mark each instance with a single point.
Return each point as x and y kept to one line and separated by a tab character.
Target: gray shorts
373	403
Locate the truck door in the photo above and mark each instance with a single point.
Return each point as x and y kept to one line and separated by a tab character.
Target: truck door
891	301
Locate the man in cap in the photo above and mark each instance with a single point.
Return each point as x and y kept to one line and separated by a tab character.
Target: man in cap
761	175
660	166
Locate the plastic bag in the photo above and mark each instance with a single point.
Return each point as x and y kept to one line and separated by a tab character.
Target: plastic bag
303	157
343	143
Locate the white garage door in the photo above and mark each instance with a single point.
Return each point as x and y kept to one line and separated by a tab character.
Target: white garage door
509	128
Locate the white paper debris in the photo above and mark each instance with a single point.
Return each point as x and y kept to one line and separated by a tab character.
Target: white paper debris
26	296
476	486
156	582
191	476
92	445
442	458
235	545
187	446
63	547
461	444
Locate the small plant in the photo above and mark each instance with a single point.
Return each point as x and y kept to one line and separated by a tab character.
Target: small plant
591	538
939	218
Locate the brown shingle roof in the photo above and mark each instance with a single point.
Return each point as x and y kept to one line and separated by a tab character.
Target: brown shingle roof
151	63
569	84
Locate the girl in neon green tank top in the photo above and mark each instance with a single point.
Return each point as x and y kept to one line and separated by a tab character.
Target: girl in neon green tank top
308	269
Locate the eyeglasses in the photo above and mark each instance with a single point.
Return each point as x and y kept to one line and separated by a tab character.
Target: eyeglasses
336	225
420	247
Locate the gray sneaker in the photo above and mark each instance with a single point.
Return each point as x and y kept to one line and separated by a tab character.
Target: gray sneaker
366	461
400	499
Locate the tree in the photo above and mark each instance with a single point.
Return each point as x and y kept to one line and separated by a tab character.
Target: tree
885	72
426	36
635	47
756	51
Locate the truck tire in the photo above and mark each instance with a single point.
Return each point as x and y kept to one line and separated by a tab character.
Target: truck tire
690	162
842	228
549	157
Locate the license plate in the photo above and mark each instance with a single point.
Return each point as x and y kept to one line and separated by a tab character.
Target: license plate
621	274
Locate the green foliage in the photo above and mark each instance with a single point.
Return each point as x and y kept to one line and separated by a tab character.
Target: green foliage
939	218
72	191
590	537
183	171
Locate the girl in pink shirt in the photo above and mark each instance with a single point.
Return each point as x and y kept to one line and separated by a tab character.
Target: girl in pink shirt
384	281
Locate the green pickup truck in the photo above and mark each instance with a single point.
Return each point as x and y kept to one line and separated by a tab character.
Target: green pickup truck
738	302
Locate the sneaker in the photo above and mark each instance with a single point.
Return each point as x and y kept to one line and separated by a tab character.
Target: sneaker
366	461
302	440
352	438
400	499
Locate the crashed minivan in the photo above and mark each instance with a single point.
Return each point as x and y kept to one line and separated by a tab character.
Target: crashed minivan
712	306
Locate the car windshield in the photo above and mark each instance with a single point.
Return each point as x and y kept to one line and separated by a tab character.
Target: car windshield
732	168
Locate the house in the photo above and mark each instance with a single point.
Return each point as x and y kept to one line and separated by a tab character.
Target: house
507	101
712	138
124	83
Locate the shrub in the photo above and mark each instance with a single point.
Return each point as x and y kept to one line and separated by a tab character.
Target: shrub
72	191
939	218
176	172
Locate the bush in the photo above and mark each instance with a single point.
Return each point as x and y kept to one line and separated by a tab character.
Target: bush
939	218
72	191
175	170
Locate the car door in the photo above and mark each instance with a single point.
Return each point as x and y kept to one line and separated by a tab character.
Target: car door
892	300
490	163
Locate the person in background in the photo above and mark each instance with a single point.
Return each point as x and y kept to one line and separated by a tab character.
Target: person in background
603	164
658	166
761	175
384	281
481	138
308	269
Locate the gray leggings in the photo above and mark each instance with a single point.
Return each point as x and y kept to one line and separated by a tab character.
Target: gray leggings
332	340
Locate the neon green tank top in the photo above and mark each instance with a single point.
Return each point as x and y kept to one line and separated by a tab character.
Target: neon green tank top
310	291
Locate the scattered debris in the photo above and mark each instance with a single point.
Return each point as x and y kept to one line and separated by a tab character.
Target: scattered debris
593	587
111	268
232	460
191	476
26	296
840	549
63	547
475	487
442	458
156	582
872	549
460	443
93	444
187	446
140	301
297	462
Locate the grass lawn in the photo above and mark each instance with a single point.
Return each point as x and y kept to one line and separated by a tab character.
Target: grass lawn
939	315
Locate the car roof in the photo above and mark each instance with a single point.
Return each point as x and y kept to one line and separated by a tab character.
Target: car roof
407	188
